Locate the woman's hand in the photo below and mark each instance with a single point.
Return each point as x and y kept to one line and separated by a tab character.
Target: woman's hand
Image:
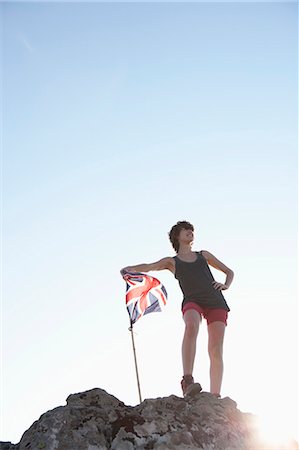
127	269
219	286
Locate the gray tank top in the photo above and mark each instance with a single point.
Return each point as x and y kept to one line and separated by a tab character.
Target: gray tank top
195	279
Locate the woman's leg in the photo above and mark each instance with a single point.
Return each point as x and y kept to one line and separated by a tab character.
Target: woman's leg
215	347
192	321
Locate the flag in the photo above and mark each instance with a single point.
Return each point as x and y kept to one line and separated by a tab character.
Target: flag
144	294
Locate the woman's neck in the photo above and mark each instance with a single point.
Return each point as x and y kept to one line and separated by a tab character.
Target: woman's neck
185	249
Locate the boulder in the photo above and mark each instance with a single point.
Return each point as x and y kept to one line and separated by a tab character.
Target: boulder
96	420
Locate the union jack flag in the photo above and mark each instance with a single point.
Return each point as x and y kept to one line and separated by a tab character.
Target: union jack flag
144	294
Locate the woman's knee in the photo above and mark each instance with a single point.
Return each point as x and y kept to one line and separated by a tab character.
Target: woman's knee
192	320
192	327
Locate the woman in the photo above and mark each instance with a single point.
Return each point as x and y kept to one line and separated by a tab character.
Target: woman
202	298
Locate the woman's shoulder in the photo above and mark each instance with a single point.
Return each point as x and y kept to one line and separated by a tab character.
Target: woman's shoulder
204	253
168	260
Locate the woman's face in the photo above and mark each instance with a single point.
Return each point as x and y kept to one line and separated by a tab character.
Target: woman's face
186	236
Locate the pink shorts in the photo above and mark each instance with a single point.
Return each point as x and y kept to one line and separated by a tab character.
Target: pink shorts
211	315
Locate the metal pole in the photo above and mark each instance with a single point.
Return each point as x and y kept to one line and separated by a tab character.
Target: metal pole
135	359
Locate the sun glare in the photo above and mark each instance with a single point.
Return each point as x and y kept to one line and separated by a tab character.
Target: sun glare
275	433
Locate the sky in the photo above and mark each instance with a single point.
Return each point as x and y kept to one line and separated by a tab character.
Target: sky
118	120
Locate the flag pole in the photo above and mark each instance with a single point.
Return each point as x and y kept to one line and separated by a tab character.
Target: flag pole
135	359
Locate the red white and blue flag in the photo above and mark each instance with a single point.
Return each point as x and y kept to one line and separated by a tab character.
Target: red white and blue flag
144	294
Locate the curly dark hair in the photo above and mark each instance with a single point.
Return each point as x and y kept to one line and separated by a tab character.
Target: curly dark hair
175	231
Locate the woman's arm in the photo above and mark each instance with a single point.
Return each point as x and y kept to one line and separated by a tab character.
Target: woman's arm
164	263
214	262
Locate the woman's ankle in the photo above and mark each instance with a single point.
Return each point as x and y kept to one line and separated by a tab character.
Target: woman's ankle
216	395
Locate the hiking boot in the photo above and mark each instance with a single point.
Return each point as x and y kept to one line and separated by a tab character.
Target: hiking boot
193	389
188	385
187	380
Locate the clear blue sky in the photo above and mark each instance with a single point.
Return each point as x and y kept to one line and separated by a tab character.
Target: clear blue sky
119	119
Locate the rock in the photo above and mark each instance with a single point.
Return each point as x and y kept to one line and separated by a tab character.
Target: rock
8	446
96	420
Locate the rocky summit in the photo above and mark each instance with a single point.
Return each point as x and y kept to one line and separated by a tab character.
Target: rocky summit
96	420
